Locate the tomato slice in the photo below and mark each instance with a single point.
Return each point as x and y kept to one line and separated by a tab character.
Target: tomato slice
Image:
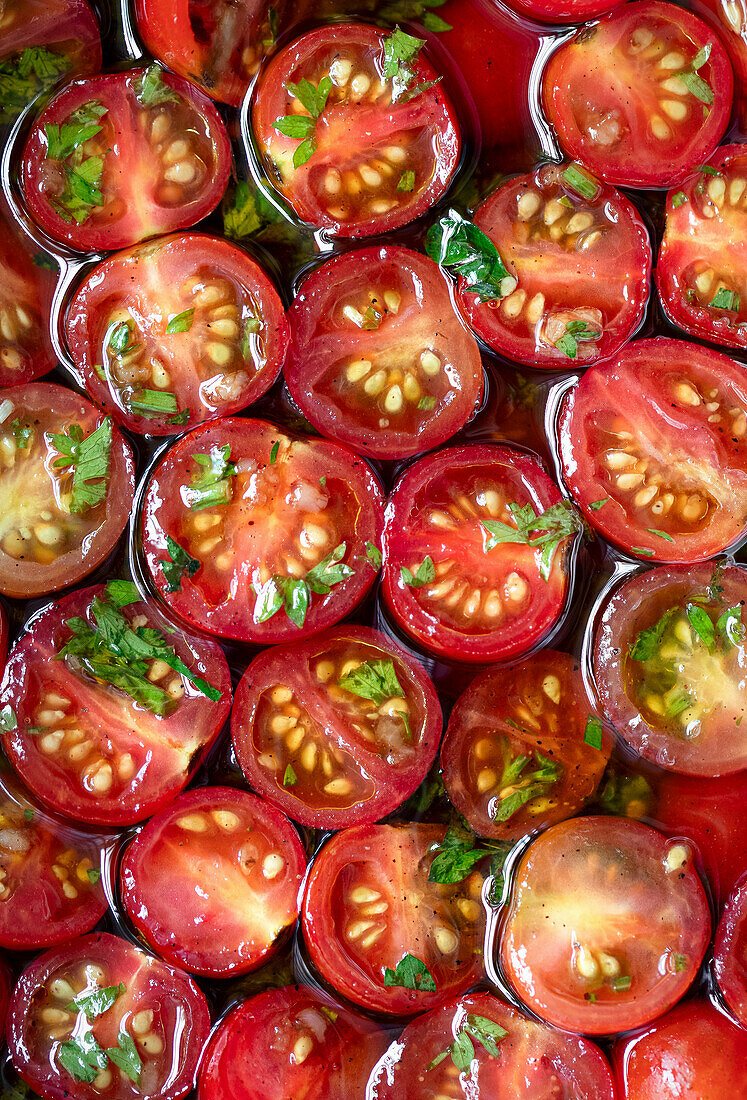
338	730
577	265
642	96
370	915
523	748
177	331
98	1019
475	602
383	149
730	953
105	735
253	551
563	11
607	926
26	296
214	880
137	153
57	523
379	360
653	450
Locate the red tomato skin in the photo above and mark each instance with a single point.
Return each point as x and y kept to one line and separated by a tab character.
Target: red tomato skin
563	11
28	285
6	987
56	22
731	25
730	953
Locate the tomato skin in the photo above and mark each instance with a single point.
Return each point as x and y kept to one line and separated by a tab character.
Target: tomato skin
563	11
732	27
6	986
30	353
730	953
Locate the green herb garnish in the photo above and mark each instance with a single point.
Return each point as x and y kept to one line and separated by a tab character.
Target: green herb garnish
545	531
410	973
303	127
458	245
213	484
88	457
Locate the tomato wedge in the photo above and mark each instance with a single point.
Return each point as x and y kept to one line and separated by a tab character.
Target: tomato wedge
112	728
730	953
642	96
177	331
26	296
379	360
375	151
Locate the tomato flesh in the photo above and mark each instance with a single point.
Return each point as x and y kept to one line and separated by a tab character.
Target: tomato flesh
25	300
730	953
563	11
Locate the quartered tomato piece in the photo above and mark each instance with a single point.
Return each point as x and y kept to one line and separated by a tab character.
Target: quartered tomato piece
730	953
642	96
372	144
67	482
607	927
213	881
176	331
26	295
654	453
464	573
379	360
563	11
579	263
338	730
110	708
115	159
99	1019
251	534
380	932
523	749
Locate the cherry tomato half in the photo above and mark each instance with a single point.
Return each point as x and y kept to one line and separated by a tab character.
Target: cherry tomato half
730	953
729	17
6	986
26	295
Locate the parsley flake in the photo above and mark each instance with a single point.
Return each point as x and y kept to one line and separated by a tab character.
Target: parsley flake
88	457
424	573
410	973
212	485
545	531
303	127
457	244
181	562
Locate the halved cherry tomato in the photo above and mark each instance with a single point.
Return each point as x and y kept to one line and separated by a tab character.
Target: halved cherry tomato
26	295
385	147
115	159
670	663
563	11
105	735
642	96
380	932
654	452
511	1057
607	927
251	534
176	331
65	492
338	730
458	587
579	270
730	953
3	638
379	360
523	748
99	1019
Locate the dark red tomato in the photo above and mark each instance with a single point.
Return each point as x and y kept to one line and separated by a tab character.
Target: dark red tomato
115	159
379	360
100	733
213	881
670	666
576	265
607	927
524	1061
177	331
563	11
267	533
59	521
374	923
702	269
642	96
383	149
338	730
26	294
654	452
730	953
693	1053
6	985
289	1043
475	597
523	748
98	1019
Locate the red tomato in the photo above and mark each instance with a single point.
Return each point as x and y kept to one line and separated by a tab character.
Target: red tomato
607	927
102	736
384	150
563	11
338	730
474	603
693	1053
6	986
371	916
730	20
520	752
653	450
670	665
58	524
227	341
138	153
214	880
26	295
379	360
525	1061
98	1019
730	953
575	265
642	96
289	1043
257	548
